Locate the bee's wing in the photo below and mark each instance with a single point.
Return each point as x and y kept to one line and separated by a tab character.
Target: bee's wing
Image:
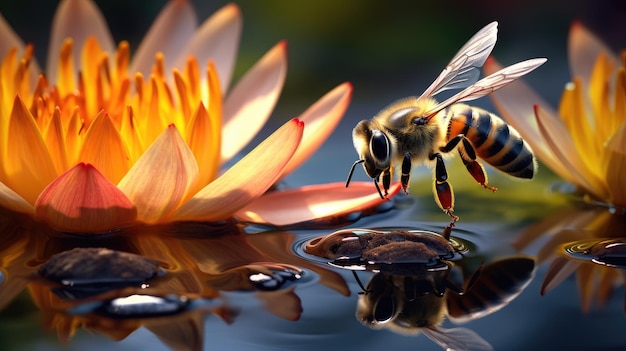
457	339
490	83
464	68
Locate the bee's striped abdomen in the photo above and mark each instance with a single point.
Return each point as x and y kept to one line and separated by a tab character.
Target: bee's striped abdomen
494	141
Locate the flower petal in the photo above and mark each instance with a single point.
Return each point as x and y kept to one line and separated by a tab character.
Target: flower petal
217	39
13	201
559	270
582	133
55	139
78	19
289	207
160	180
28	166
600	91
203	138
104	148
283	303
320	121
583	50
168	34
252	100
247	179
82	200
587	284
11	40
574	169
614	164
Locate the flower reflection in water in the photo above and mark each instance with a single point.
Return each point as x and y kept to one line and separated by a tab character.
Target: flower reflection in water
148	278
586	241
414	286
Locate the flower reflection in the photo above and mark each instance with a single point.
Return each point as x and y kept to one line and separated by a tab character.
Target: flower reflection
414	287
146	277
587	242
102	141
585	142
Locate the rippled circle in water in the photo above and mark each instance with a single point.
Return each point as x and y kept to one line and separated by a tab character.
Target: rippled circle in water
609	252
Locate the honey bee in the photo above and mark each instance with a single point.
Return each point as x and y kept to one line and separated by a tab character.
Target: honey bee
417	130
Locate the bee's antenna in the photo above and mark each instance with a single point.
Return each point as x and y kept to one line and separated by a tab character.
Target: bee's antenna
352	171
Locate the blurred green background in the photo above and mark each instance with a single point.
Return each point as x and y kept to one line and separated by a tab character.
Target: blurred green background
387	49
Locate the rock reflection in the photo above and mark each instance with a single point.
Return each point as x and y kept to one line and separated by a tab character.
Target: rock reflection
586	241
87	272
145	277
421	278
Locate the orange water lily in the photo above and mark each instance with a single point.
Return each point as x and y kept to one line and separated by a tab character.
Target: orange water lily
585	141
102	141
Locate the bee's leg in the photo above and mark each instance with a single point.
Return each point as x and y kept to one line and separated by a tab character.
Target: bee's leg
378	187
443	189
468	155
447	231
386	180
406	172
440	285
452	143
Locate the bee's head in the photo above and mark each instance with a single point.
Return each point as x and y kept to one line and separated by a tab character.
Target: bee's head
391	301
378	304
374	148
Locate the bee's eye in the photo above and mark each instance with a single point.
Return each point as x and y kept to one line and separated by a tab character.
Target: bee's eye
379	146
384	310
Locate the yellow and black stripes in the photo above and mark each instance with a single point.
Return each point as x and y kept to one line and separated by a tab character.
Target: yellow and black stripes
493	140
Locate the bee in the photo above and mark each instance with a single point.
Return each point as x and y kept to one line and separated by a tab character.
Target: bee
417	130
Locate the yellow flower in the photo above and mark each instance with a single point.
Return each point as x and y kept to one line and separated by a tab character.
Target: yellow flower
102	141
585	142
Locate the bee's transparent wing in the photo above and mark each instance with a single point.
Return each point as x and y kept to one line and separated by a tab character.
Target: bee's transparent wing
491	83
457	339
464	68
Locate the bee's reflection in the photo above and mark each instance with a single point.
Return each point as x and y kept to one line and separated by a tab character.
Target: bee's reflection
421	278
